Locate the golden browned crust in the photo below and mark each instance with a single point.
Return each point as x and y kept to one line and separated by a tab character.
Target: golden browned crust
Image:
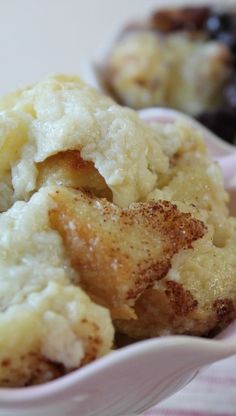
225	311
156	315
181	301
197	296
69	169
121	252
175	311
40	370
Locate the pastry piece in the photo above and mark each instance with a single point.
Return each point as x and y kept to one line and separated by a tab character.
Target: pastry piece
48	325
120	252
147	69
136	210
195	184
70	170
196	297
63	114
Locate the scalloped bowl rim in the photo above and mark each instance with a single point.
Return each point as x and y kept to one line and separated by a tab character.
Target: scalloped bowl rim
54	388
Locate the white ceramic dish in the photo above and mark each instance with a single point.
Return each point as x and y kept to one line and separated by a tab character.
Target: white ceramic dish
132	379
124	383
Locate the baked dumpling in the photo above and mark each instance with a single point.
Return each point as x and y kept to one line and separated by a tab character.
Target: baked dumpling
102	211
48	325
119	253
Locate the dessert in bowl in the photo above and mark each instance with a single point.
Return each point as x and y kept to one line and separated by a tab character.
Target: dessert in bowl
109	224
181	58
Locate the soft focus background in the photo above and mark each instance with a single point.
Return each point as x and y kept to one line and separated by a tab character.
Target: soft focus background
51	36
40	37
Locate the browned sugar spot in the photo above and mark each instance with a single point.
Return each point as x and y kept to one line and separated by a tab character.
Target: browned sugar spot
225	310
6	362
45	366
141	82
147	275
181	300
179	229
6	381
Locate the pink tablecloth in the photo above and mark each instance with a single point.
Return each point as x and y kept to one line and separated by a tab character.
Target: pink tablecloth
212	393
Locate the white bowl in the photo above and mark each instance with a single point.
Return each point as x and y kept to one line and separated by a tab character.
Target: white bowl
126	382
134	378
